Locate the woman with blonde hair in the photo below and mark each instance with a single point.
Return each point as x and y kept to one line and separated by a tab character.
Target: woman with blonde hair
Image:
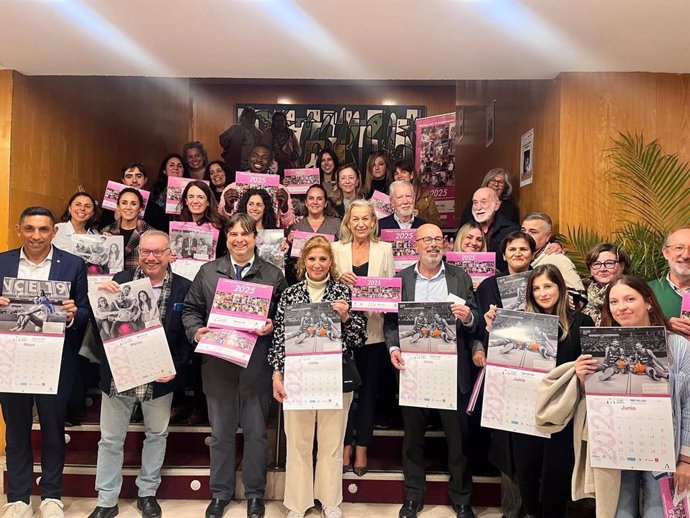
347	188
470	238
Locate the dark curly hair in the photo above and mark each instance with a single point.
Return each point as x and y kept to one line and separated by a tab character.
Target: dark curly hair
269	218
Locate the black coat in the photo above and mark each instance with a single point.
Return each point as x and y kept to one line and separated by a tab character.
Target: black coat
507	209
389	223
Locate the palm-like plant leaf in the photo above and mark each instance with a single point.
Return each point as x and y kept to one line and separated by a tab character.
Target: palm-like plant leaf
578	241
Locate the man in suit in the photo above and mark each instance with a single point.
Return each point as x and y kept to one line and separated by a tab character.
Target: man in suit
430	280
236	395
169	292
402	200
38	259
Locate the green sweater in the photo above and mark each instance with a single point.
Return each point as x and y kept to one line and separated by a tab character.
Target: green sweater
668	298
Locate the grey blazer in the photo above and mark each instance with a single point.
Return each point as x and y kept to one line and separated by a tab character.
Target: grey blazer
459	283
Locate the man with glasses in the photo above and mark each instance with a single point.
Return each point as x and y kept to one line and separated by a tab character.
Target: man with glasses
402	200
670	290
485	204
169	292
430	280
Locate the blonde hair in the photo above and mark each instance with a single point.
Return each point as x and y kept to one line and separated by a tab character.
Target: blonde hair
345	232
464	230
337	196
369	179
311	244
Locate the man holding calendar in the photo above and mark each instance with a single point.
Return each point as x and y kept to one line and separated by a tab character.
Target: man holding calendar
430	280
234	394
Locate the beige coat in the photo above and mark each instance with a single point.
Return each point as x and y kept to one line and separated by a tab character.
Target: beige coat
558	401
380	265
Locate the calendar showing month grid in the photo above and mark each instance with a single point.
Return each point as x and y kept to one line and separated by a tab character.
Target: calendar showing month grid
429	381
633	433
314	382
510	397
30	362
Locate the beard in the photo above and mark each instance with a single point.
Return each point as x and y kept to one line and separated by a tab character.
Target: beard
483	218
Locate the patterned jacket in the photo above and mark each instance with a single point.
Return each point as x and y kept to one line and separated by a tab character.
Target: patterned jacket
354	330
131	246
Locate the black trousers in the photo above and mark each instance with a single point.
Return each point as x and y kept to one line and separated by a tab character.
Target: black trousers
455	427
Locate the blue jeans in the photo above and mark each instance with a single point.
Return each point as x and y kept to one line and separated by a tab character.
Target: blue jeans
115	414
629	498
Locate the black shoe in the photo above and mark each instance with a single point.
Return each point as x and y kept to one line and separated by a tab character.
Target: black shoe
410	509
104	512
216	508
148	505
255	508
463	511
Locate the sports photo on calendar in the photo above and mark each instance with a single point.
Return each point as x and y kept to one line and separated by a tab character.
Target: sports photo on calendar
631	360
523	340
513	290
426	327
311	329
35	306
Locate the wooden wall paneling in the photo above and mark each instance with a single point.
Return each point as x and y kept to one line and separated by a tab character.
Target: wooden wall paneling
6	94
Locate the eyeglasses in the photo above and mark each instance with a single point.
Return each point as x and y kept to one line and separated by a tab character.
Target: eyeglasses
428	240
609	265
156	253
678	249
497	182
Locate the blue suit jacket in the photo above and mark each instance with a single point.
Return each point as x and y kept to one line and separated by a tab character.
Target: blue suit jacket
64	267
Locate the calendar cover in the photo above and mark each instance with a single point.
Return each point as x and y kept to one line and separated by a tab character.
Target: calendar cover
428	342
229	345
299	180
173	193
32	335
112	191
478	265
403	241
299	238
193	245
313	357
675	506
513	290
629	412
382	204
522	350
129	324
376	294
685	306
240	305
102	254
269	246
247	180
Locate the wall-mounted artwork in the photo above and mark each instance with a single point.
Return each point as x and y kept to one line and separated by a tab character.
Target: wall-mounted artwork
353	131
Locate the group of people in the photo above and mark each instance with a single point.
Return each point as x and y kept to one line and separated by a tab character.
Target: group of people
536	473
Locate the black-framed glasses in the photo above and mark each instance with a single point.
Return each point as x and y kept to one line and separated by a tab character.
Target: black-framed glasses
609	265
156	253
428	240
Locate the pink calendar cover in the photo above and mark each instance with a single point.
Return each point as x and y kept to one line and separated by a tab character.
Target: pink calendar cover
173	194
299	238
229	345
240	305
685	306
476	389
112	191
382	204
129	325
193	245
403	241
32	335
246	180
674	506
299	180
376	294
478	265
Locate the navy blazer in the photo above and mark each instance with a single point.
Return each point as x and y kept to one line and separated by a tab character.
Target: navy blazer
174	332
459	283
64	267
389	223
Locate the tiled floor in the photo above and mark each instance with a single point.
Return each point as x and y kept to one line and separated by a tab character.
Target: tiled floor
81	507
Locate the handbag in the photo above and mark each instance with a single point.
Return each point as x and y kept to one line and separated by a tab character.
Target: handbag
351	379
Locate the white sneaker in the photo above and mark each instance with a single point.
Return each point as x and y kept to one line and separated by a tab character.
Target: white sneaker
17	510
51	508
294	514
331	512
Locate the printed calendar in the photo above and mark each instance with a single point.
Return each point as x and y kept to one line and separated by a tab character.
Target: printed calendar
229	345
403	241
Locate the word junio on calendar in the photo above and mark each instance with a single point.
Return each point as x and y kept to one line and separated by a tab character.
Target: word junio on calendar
629	411
513	290
403	241
522	350
313	358
376	294
173	193
112	191
299	180
382	204
32	335
193	245
240	305
299	238
229	345
428	343
478	265
133	337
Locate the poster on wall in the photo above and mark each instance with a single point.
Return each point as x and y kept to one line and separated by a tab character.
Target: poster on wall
435	161
490	124
526	158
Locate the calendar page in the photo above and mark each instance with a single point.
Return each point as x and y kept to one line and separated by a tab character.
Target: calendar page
102	254
112	191
513	290
269	244
313	358
193	245
478	265
245	180
629	412
134	340
522	350
240	305
376	294
428	343
299	180
32	335
403	241
382	204
228	344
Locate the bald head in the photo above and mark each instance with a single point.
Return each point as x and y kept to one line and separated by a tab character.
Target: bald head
485	203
